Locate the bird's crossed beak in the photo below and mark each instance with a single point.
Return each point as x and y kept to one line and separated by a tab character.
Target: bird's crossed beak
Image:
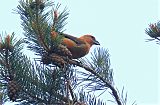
95	42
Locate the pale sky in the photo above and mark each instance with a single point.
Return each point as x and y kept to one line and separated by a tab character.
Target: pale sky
119	25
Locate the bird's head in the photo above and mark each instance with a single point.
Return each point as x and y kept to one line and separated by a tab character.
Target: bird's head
90	39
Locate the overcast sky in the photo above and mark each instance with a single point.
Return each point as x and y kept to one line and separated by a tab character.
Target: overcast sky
119	25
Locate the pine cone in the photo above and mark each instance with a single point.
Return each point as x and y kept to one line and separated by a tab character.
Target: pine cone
12	90
46	59
63	51
58	60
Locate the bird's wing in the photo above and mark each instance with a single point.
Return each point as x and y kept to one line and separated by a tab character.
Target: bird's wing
75	39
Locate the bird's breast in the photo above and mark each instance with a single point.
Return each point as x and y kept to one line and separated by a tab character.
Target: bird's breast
79	51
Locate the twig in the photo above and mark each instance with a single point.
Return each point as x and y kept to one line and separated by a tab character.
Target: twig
110	86
157	38
71	90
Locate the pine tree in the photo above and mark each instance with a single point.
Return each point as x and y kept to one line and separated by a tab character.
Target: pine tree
53	78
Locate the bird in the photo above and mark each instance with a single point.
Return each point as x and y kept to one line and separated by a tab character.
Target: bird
78	46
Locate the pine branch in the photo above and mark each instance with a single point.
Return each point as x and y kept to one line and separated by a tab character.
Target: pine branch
61	97
8	49
38	30
88	99
34	23
59	18
36	85
107	83
38	24
154	32
23	78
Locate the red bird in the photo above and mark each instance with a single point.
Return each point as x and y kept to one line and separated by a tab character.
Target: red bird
78	47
